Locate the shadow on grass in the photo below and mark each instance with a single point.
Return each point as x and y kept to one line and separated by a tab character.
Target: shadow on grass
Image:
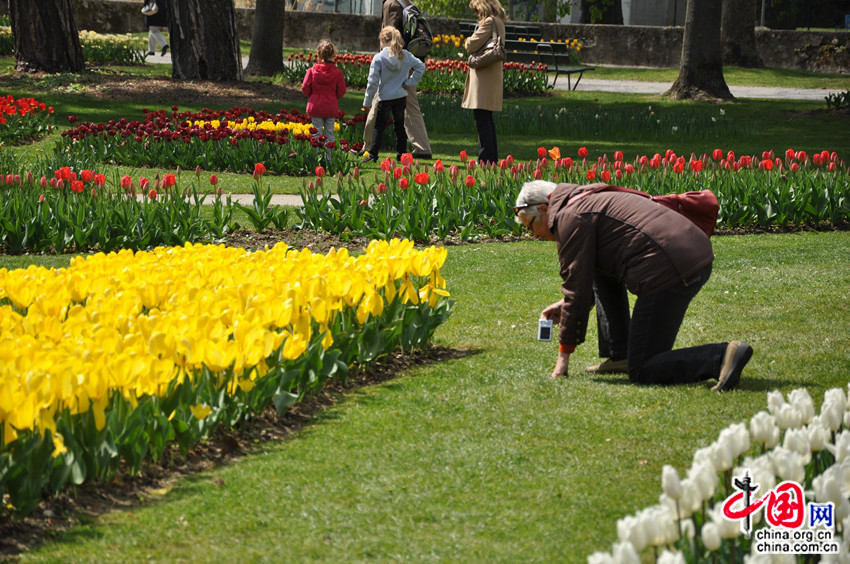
759	384
55	518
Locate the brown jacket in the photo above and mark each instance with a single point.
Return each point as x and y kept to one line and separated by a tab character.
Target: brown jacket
484	87
649	247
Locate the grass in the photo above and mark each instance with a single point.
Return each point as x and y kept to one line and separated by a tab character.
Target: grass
483	458
760	124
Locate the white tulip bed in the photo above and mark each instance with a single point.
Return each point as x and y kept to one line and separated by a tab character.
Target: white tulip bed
793	444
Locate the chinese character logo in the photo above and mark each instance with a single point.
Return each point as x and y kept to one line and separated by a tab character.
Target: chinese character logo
784	506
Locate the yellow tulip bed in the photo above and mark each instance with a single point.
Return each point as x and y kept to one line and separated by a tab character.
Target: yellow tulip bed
117	356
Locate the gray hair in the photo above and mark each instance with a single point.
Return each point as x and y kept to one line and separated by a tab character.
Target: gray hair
534	192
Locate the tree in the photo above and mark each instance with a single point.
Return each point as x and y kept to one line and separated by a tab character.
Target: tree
602	12
266	56
204	40
738	34
45	36
701	67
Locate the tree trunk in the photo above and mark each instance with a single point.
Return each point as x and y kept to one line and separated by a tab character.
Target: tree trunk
738	34
602	12
204	40
45	36
266	56
701	68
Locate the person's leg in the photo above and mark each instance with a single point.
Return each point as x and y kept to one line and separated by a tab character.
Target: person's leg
655	323
369	125
328	125
398	107
382	112
612	317
487	149
151	40
155	34
414	124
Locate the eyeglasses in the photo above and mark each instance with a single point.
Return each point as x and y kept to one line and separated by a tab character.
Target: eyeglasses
518	209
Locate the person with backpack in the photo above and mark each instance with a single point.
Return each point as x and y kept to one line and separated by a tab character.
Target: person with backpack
393	73
404	15
324	85
610	241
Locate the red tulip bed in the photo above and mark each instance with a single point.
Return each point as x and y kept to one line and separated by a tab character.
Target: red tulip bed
444	76
23	119
221	140
424	201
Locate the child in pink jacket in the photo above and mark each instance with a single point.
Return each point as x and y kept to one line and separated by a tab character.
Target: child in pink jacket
324	85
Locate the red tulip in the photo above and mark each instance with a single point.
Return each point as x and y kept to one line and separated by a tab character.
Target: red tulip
655	162
463	156
406	159
99	179
454	171
538	175
795	167
77	186
618	155
94	192
606	176
86	175
717	154
582	152
152	194
421	178
591	175
696	166
541	152
438	165
320	171
678	168
41	198
213	179
403	183
470	181
259	170
382	188
126	182
168	180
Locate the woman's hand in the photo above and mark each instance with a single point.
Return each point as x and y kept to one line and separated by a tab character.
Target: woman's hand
562	367
552	312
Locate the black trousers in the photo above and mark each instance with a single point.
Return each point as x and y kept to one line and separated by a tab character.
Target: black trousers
385	108
488	151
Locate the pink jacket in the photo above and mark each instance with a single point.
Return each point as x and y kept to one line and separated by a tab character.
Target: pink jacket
323	85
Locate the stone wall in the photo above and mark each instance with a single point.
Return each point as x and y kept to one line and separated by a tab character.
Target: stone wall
603	44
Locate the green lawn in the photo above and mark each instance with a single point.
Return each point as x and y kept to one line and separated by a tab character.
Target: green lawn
484	458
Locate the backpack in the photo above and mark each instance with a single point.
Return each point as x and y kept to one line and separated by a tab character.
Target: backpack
415	31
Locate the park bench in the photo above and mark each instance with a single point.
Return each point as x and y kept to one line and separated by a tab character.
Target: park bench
523	45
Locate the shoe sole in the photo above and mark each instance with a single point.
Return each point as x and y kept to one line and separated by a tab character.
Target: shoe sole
739	359
611	368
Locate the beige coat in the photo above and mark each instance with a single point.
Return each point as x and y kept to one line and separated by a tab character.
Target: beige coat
484	87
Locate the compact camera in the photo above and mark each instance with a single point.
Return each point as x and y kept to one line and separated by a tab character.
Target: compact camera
544	330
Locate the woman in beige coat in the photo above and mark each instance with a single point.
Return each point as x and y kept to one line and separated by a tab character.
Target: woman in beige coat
484	86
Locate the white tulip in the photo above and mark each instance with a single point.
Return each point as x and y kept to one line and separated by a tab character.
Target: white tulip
738	437
818	433
624	527
630	530
761	469
625	553
727	528
706	479
847	418
687	528
724	456
775	400
798	441
600	558
764	430
670	557
787	417
787	464
832	413
710	536
758	558
705	456
802	402
841	449
670	482
836	394
691	498
827	487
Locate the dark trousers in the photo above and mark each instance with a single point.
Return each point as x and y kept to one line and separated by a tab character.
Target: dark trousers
488	151
385	108
647	338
